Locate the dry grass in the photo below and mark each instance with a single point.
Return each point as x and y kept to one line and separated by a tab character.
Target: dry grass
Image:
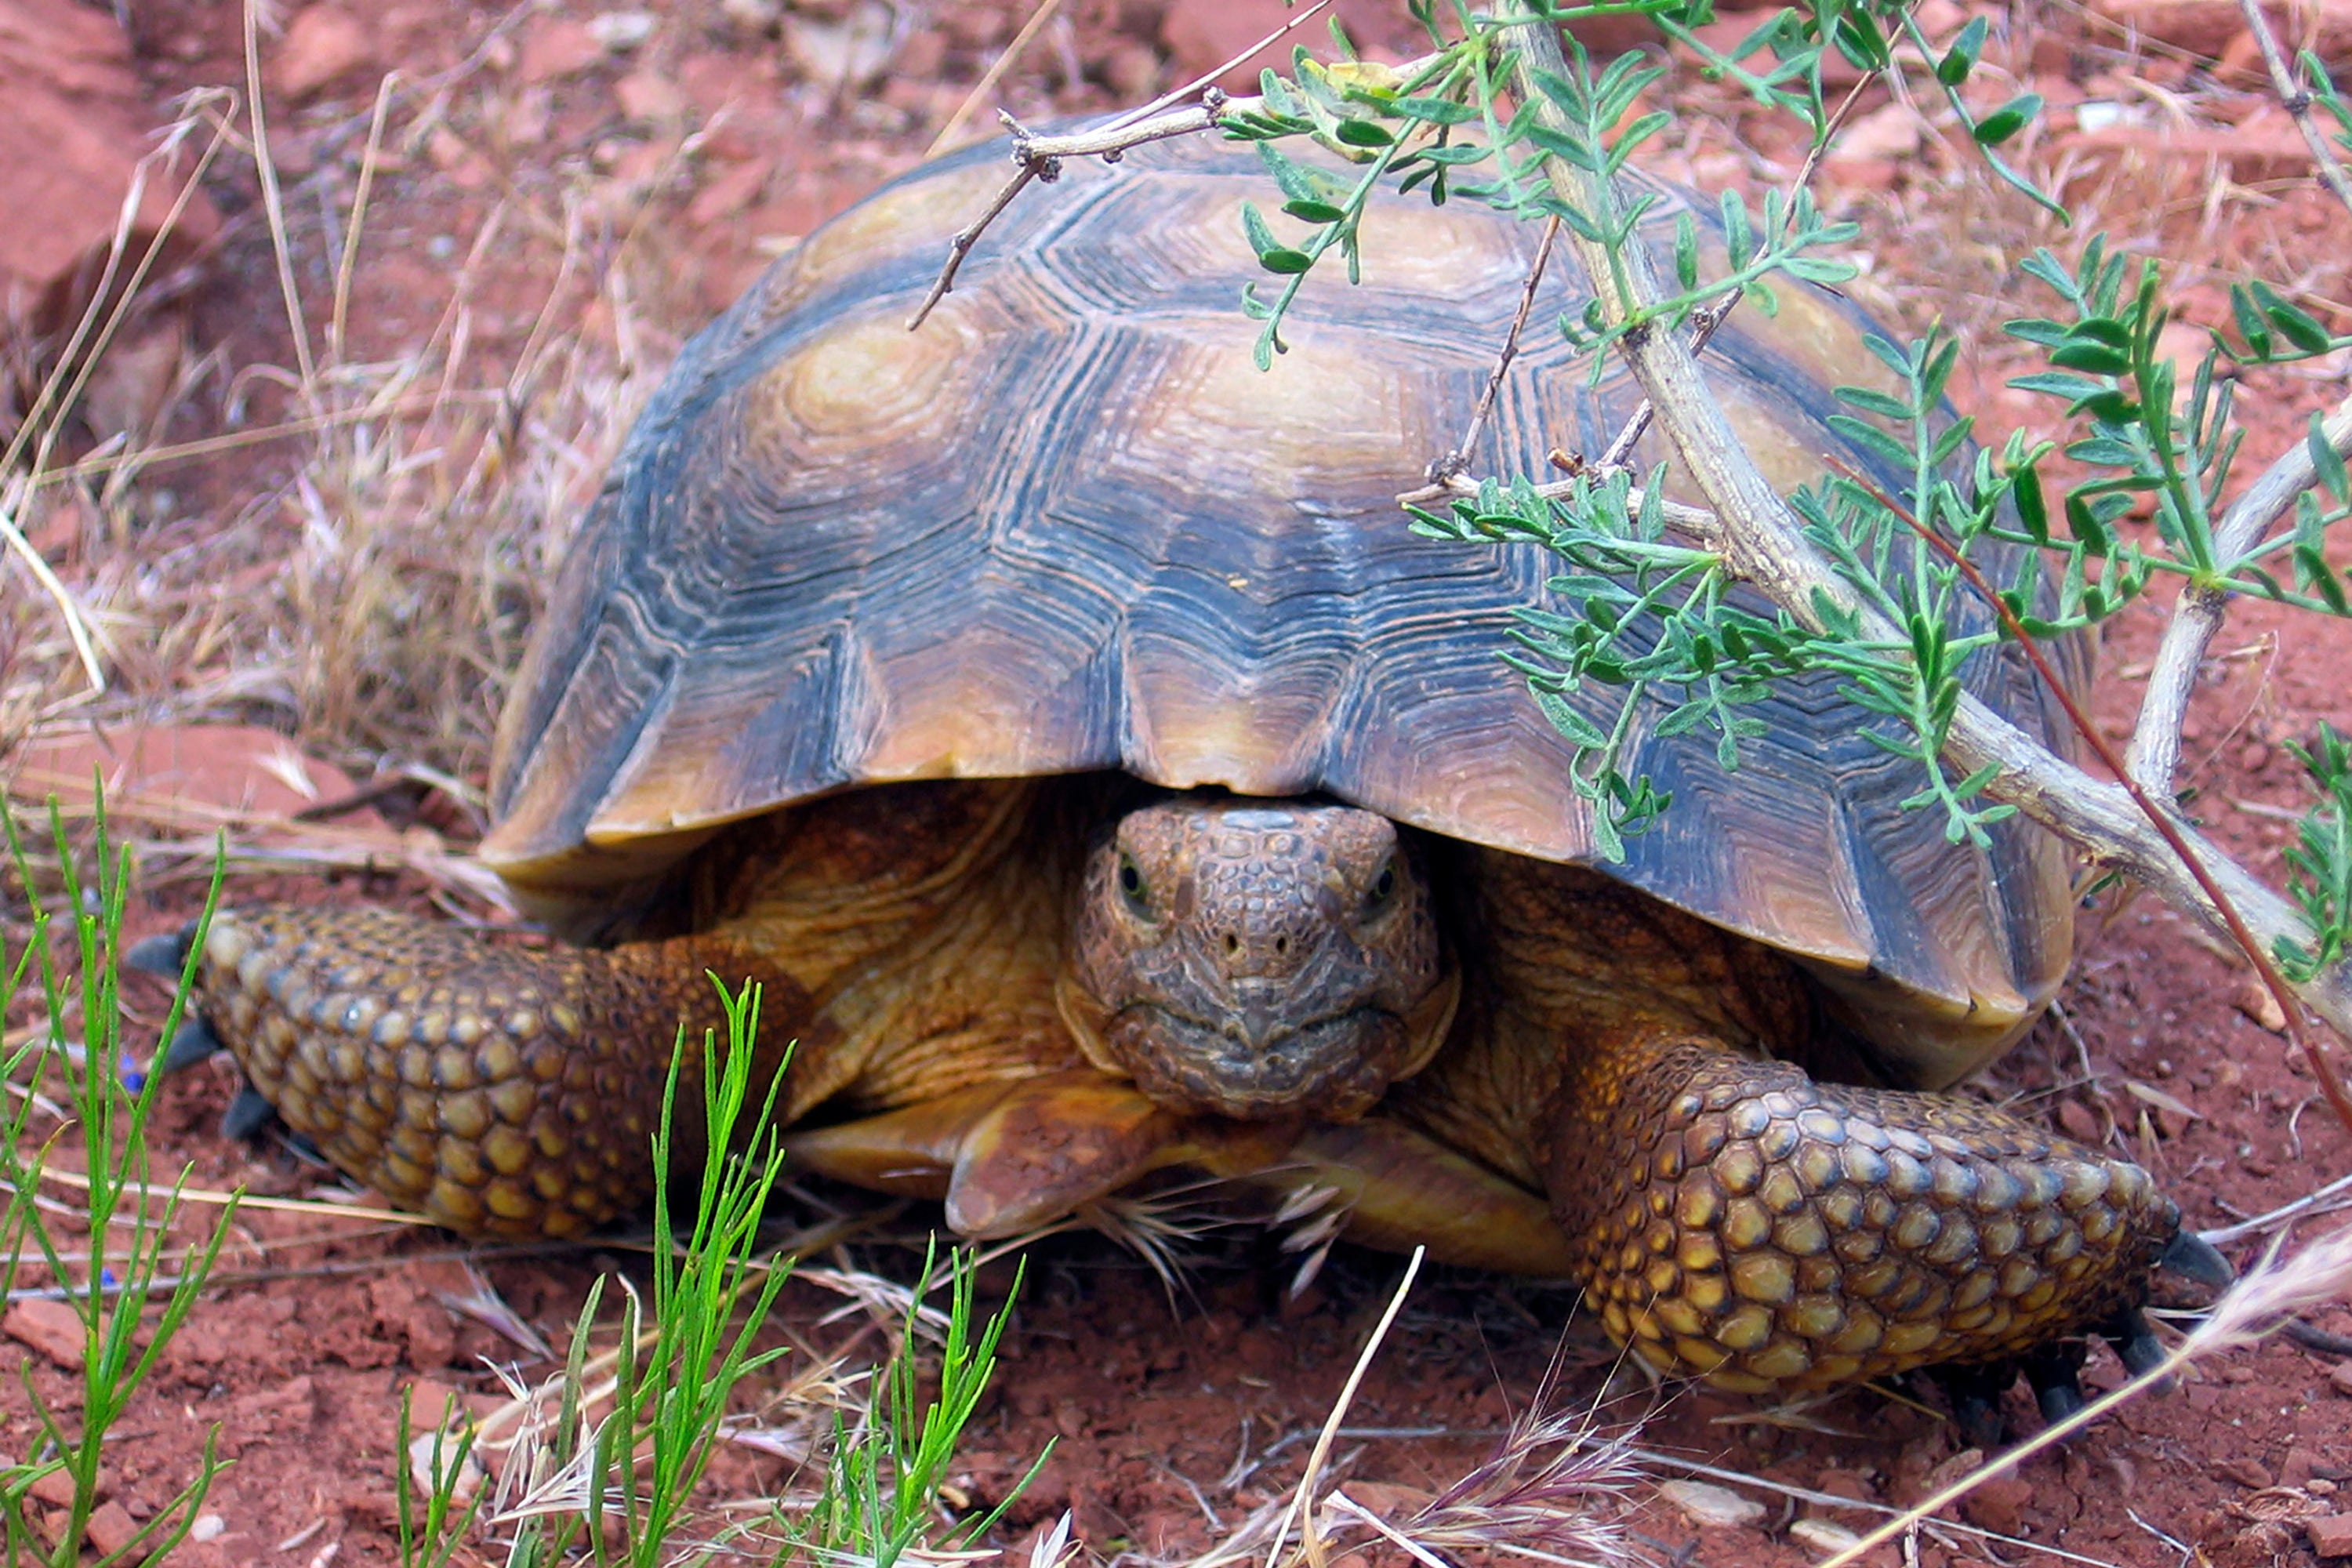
346	540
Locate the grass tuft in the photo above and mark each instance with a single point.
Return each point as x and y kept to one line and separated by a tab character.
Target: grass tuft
69	970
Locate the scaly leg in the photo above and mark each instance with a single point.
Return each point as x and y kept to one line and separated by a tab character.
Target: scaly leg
1735	1220
498	1090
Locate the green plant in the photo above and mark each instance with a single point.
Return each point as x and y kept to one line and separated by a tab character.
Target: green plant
110	1285
622	1483
880	1497
612	1471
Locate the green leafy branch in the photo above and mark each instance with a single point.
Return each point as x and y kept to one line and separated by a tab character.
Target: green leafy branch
2319	863
1641	611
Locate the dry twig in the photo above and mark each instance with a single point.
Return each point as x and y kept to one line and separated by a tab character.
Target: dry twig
1303	1500
2296	100
2155	754
1039	157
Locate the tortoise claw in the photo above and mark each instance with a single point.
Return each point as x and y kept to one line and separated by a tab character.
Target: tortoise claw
2060	1401
2135	1343
2191	1256
165	955
194	1043
1974	1394
247	1115
2054	1374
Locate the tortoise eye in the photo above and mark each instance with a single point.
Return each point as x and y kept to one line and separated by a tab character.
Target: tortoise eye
1384	888
1130	885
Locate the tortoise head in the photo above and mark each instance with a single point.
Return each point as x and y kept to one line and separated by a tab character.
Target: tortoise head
1263	960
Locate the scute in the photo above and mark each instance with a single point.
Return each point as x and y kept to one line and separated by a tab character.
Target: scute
1067	526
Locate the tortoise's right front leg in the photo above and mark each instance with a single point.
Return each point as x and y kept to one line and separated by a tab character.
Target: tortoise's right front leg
1735	1220
496	1090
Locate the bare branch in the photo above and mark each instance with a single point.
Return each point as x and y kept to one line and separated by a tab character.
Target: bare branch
1201	83
1697	524
1457	462
1038	155
1040	158
2296	99
2155	754
1764	543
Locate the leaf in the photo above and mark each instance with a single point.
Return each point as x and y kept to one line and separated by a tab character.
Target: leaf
1257	231
1820	268
2088	529
1435	110
1579	729
1872	402
2294	324
2082	353
1294	181
2032	507
2057	384
2327	462
1313	212
1605	836
1872	438
1687	717
1574	150
2108	329
1457	154
2250	325
2111	407
2007	120
1286	262
1738	238
1961	57
1364	133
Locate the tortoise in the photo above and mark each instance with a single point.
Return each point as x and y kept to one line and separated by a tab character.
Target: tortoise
1059	720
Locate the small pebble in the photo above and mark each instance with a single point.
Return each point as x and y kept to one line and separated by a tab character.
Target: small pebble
2245	1472
207	1527
1999	1504
2331	1536
2301	1465
52	1327
1822	1535
110	1529
621	31
1712	1506
2254	1000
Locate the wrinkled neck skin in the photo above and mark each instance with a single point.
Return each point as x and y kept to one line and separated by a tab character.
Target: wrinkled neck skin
1267	960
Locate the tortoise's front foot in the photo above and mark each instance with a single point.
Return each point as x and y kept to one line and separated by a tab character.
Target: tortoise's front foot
498	1090
1737	1221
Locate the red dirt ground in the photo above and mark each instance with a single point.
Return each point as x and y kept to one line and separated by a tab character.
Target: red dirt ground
1173	1420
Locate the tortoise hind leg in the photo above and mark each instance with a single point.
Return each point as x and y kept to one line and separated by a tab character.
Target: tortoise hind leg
498	1090
1735	1220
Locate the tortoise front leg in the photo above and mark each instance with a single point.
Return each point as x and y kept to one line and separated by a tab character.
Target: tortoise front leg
499	1090
1735	1220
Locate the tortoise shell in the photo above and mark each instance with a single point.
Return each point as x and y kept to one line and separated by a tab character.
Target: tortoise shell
1067	525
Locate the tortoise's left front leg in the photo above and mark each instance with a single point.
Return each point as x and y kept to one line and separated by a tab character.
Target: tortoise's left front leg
1735	1220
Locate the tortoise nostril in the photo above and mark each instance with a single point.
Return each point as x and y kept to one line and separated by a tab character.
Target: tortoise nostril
1281	945
1233	942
